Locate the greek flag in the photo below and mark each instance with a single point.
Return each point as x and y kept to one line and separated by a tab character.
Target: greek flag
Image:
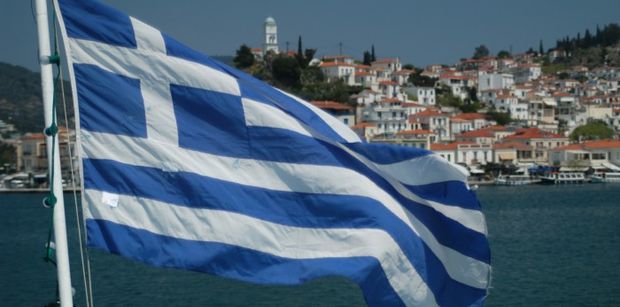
188	163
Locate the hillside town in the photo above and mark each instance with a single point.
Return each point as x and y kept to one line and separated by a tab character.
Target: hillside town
508	113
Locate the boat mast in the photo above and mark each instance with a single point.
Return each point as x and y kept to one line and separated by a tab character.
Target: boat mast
60	228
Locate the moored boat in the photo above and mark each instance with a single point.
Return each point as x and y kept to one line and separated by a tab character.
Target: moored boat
560	178
605	177
513	180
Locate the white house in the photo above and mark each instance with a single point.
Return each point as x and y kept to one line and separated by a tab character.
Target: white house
490	81
425	95
338	71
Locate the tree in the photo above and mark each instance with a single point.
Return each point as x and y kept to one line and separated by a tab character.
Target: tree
500	117
409	67
244	57
594	130
541	50
373	57
481	52
503	54
367	58
417	79
286	71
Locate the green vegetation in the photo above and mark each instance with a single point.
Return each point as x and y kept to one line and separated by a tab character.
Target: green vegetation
445	98
503	54
594	130
500	117
417	79
552	69
481	52
244	57
7	155
592	49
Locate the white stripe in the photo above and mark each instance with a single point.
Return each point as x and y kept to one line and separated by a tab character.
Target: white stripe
147	37
418	171
161	123
337	126
145	64
277	176
424	170
283	241
421	170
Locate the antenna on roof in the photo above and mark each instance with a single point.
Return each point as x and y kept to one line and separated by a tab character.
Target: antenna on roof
340	47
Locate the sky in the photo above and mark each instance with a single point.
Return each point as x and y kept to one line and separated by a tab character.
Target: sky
419	32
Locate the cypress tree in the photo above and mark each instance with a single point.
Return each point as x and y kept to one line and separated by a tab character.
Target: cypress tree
373	57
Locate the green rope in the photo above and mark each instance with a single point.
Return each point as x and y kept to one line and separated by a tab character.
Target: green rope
50	200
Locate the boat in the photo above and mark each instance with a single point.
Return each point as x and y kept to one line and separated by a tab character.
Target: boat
561	178
513	180
605	177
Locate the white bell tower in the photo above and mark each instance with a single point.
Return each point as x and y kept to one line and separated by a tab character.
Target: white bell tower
271	35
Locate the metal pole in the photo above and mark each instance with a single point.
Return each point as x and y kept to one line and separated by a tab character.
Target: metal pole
60	227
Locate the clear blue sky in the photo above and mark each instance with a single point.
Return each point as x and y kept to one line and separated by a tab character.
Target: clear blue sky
419	32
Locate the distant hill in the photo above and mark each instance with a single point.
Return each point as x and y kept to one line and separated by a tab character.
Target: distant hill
592	49
226	59
20	98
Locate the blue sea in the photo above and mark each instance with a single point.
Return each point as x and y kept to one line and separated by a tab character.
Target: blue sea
551	246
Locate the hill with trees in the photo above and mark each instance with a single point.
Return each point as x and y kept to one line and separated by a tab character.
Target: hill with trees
592	49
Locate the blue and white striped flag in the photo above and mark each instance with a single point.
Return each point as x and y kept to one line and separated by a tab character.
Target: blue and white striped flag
191	164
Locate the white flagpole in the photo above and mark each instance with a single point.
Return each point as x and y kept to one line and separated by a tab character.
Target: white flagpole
60	228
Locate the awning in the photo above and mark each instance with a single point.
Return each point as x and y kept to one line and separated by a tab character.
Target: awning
573	169
506	156
611	166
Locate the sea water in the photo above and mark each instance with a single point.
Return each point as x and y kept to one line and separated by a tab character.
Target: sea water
551	246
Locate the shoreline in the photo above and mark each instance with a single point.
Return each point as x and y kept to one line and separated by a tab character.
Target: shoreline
36	190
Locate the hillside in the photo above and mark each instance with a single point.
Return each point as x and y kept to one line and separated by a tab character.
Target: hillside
20	98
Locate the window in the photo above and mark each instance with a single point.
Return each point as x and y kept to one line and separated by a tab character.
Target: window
345	120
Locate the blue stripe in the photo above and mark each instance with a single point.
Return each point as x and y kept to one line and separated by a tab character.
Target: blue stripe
237	262
286	208
92	20
386	153
102	109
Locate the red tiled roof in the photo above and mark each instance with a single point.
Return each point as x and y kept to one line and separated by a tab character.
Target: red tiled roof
363	125
362	74
388	83
602	144
331	105
415	132
452	76
411	105
533	133
428	113
334	64
449	146
480	133
469	116
389	100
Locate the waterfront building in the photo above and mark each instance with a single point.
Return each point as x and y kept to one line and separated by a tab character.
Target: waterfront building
602	154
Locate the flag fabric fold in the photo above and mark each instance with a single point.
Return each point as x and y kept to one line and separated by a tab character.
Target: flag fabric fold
191	164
